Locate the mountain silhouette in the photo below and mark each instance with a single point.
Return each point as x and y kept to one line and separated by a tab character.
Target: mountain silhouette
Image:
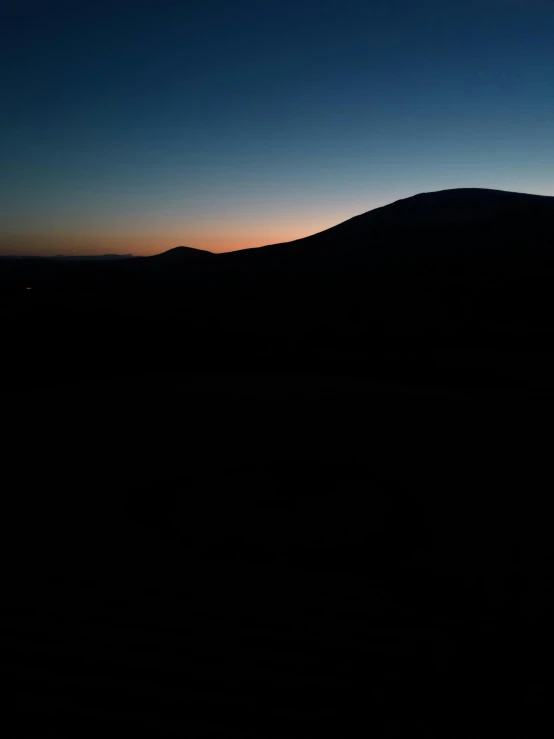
455	226
441	261
447	226
434	262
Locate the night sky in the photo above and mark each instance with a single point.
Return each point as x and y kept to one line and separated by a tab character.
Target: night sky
139	126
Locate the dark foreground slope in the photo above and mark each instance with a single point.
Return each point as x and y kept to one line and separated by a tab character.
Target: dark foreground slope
252	503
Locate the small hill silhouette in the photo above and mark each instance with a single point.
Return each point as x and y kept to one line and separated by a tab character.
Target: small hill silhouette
183	254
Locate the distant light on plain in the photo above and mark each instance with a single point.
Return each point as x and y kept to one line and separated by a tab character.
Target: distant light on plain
28	288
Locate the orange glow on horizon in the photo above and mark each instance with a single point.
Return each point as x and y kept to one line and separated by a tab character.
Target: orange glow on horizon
153	241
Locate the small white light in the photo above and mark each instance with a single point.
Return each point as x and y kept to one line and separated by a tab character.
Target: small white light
28	288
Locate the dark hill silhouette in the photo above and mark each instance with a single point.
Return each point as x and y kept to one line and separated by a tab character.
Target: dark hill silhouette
448	226
184	254
449	263
458	226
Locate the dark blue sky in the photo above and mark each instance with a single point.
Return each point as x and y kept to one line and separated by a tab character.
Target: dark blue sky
137	126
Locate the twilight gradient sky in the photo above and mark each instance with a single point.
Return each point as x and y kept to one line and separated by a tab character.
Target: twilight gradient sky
220	124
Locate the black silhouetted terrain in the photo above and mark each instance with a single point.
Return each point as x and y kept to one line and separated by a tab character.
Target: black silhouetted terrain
183	254
446	227
286	490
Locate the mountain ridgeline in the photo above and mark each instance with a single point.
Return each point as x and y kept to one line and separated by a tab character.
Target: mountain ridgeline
456	267
471	227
